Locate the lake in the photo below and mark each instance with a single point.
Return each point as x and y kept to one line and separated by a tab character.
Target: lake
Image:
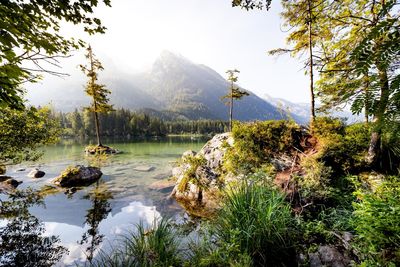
92	218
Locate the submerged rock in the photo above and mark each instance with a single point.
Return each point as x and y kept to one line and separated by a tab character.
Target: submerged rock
78	176
144	168
164	186
36	173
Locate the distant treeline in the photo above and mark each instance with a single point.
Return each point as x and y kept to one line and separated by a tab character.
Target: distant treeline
124	122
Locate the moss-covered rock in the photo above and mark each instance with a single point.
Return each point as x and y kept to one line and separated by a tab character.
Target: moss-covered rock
78	176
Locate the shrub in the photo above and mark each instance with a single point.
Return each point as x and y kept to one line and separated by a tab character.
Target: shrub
257	221
377	223
258	142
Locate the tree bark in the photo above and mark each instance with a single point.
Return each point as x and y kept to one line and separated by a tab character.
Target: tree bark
311	63
231	112
375	142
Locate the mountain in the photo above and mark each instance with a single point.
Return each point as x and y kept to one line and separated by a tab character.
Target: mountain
301	112
173	84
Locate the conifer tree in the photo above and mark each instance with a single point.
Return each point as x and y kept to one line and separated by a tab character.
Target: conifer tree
234	93
98	92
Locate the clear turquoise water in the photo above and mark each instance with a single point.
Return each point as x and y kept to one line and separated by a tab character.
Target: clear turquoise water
121	199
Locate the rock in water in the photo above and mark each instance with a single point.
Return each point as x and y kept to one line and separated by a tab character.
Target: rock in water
163	186
93	150
36	173
7	183
78	176
144	168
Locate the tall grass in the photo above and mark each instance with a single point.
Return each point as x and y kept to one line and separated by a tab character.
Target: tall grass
144	247
258	221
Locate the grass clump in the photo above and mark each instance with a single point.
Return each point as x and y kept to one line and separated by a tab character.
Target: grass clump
145	247
257	221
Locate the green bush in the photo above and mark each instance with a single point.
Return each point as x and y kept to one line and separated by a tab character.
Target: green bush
341	147
377	223
258	142
257	221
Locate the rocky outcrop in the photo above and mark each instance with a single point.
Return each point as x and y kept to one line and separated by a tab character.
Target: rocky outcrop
36	173
197	175
78	176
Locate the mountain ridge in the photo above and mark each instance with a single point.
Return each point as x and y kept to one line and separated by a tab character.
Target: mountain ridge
174	84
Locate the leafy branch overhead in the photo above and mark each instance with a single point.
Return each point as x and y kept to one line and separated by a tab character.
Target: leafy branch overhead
30	40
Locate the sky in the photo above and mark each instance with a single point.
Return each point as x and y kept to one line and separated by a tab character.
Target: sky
208	32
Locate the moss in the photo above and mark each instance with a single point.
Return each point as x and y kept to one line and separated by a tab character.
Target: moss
68	173
189	175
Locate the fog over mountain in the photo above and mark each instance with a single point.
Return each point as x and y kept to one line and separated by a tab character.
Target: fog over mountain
173	84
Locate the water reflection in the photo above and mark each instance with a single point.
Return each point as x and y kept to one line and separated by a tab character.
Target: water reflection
99	211
22	239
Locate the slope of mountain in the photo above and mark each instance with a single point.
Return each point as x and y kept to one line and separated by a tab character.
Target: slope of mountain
173	84
301	112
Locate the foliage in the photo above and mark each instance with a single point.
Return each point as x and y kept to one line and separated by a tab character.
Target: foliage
377	222
24	131
341	147
30	40
257	143
361	63
258	221
252	4
156	246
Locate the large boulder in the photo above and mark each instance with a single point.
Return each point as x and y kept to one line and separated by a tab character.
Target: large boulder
198	173
328	255
36	173
78	176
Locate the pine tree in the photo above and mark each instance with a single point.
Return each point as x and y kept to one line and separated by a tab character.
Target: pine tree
234	93
98	92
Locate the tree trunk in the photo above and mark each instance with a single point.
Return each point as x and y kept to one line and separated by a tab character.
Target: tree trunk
375	142
96	116
366	101
311	63
96	120
231	113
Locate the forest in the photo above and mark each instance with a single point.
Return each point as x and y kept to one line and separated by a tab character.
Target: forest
125	123
258	193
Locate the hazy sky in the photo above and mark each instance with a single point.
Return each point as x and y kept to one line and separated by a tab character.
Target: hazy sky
209	32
